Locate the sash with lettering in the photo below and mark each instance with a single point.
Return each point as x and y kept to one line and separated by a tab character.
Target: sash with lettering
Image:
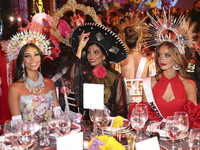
149	96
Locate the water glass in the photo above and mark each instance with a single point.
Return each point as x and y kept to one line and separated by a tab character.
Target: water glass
194	139
26	135
44	134
64	124
11	130
103	118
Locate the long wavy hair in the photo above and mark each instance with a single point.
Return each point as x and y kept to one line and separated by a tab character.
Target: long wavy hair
19	69
180	59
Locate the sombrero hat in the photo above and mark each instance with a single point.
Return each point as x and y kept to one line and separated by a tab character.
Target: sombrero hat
113	45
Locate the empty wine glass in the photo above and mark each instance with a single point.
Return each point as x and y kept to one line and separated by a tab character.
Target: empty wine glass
173	129
102	118
143	107
26	134
11	130
137	120
44	134
64	124
92	115
194	139
184	120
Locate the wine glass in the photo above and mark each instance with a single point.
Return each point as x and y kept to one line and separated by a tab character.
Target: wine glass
194	139
64	124
137	120
102	118
44	134
26	134
143	107
11	130
184	120
173	129
92	114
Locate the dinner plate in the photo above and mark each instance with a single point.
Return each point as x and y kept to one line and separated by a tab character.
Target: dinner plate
109	129
75	128
163	148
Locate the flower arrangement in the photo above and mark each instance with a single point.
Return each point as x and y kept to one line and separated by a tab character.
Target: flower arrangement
99	72
104	142
118	122
24	37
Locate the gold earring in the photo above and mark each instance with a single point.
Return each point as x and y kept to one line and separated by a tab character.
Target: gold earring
24	71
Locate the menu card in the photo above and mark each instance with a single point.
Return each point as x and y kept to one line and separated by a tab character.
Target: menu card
72	142
93	96
150	144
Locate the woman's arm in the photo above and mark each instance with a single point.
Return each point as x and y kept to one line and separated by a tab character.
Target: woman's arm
83	39
191	90
13	99
55	101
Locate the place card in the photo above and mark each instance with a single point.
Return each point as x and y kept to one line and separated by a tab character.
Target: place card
93	96
150	144
72	142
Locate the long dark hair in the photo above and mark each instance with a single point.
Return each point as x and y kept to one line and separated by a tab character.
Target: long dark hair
180	59
19	69
131	37
84	59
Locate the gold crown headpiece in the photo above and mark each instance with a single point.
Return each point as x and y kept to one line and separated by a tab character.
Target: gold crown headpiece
24	37
179	31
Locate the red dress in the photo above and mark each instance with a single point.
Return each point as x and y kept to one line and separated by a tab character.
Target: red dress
179	103
169	108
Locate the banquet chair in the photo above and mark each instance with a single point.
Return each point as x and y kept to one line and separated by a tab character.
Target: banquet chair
133	90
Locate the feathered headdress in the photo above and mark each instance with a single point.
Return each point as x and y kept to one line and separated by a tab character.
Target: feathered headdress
176	30
24	37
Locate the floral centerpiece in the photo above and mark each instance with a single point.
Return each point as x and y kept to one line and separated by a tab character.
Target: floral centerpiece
104	142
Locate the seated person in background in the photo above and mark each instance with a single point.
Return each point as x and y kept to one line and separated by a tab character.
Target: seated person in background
31	96
95	47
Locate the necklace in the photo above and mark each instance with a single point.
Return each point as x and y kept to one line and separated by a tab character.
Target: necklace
37	86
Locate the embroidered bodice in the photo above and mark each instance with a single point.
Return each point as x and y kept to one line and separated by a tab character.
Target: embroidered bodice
168	108
36	107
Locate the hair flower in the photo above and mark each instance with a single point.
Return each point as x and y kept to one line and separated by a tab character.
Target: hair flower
99	72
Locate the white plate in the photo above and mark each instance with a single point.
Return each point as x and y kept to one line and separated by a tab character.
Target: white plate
111	129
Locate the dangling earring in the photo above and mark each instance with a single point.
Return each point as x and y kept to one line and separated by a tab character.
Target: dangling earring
23	71
104	62
176	67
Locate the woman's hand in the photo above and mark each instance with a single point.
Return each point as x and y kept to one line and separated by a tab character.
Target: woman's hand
83	39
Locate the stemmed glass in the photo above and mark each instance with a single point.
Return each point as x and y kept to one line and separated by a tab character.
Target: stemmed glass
194	139
64	124
137	120
26	134
173	129
102	118
143	107
11	130
92	115
183	118
44	134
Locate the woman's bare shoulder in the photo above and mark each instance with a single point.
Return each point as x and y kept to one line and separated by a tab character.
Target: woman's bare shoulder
188	83
16	86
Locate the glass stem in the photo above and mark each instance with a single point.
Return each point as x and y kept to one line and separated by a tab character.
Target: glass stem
173	146
103	131
94	124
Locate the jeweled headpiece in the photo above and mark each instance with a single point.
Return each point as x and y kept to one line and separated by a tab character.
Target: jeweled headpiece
179	31
24	37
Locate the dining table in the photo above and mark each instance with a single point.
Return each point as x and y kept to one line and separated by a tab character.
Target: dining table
87	129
